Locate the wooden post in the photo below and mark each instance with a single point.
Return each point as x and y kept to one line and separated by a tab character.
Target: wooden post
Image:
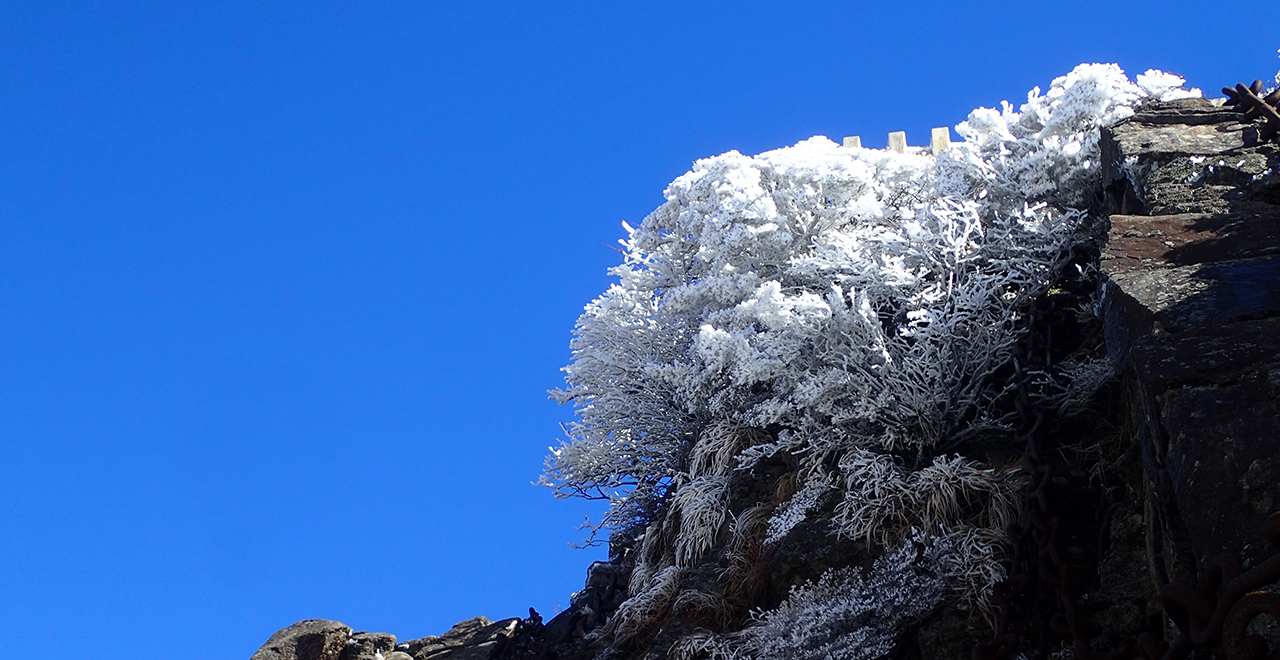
898	141
853	141
941	140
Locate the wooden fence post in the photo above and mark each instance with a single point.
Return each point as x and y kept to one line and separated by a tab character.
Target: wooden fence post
898	141
940	140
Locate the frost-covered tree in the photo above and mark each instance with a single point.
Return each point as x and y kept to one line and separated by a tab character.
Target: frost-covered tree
847	307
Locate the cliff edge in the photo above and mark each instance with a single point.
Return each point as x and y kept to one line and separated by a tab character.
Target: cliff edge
1146	518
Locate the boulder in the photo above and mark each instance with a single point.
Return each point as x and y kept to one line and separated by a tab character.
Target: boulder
473	639
312	639
368	646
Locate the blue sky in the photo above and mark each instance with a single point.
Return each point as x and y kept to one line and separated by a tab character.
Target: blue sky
283	285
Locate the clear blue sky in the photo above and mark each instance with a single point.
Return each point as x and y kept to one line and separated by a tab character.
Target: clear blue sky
283	285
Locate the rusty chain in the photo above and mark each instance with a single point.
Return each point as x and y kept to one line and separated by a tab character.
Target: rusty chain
1246	97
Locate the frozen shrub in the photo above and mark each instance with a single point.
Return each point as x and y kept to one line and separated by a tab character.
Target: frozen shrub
846	616
859	305
795	510
643	611
701	507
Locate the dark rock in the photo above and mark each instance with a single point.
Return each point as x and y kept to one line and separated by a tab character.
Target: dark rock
1124	599
1139	242
312	639
565	635
367	646
317	639
1188	156
1215	433
808	550
473	639
1189	270
1192	313
949	634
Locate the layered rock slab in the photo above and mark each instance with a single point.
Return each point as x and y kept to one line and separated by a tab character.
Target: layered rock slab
1192	313
1189	156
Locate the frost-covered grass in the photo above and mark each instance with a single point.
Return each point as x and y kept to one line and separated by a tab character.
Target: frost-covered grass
847	307
845	615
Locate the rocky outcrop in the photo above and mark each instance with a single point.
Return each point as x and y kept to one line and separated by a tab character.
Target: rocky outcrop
312	639
1188	156
1192	311
319	639
368	646
473	639
1191	306
1146	516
